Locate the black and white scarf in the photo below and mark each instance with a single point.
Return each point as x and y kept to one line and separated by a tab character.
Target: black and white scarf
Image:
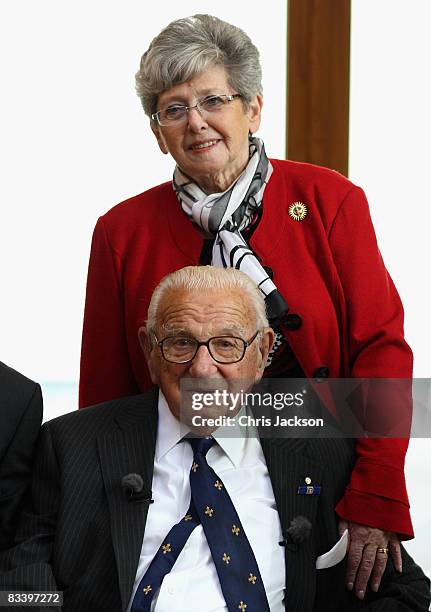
225	215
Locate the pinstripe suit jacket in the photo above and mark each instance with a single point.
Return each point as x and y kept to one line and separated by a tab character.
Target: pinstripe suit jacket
85	535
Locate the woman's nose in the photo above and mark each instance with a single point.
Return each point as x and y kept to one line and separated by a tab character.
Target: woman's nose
195	120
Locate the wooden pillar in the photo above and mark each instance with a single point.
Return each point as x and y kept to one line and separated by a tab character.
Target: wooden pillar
318	82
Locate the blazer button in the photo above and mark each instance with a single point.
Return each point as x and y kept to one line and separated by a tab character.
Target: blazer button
292	321
321	373
269	271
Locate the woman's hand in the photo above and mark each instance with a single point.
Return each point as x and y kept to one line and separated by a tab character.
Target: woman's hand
364	562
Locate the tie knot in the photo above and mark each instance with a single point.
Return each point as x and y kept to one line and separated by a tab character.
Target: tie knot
201	445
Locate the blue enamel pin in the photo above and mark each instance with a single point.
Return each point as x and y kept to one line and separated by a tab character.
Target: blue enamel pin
309	488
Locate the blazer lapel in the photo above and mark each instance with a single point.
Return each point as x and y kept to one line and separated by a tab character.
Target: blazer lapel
129	448
288	468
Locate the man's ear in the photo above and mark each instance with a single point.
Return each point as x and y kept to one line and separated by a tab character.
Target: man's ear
159	137
149	352
144	341
266	343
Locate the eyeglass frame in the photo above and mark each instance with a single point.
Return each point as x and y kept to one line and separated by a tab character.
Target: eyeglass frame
246	344
229	98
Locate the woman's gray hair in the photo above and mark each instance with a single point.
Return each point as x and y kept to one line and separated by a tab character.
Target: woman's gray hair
208	278
186	47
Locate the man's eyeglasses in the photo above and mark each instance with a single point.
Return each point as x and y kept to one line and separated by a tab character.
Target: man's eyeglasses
177	113
223	349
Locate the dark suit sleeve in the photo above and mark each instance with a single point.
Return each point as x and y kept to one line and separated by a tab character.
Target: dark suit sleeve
27	565
16	467
406	592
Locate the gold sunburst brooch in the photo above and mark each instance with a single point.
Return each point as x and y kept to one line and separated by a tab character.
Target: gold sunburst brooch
298	211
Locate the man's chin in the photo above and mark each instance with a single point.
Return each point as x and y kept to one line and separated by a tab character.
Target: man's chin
204	385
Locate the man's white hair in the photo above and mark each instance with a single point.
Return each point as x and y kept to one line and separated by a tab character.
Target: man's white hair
202	278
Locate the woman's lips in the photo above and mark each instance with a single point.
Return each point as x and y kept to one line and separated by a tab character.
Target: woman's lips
200	147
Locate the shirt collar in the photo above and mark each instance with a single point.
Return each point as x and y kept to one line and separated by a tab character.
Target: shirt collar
232	439
170	431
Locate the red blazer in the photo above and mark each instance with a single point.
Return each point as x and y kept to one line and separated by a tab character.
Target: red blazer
330	271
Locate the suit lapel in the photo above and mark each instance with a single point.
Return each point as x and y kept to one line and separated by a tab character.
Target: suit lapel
288	467
128	448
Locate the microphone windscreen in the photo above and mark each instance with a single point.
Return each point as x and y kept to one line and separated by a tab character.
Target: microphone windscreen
132	483
299	529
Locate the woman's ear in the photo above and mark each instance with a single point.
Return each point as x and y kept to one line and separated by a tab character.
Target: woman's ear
254	113
155	127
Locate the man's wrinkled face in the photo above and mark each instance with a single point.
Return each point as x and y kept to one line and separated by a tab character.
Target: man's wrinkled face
202	315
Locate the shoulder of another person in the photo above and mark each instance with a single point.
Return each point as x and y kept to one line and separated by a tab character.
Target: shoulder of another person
15	386
21	409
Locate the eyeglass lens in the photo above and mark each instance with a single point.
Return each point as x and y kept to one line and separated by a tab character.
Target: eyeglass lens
178	112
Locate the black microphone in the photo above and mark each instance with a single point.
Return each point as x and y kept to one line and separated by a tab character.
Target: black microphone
297	532
133	487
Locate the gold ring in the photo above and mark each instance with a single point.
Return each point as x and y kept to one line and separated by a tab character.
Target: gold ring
384	551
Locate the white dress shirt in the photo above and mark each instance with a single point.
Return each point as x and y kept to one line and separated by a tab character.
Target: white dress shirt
193	585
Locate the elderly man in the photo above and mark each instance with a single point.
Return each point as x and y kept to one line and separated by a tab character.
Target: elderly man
134	511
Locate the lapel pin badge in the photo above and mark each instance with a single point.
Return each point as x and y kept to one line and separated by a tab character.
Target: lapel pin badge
298	211
309	488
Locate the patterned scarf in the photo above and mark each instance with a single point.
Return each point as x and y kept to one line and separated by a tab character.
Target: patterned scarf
225	215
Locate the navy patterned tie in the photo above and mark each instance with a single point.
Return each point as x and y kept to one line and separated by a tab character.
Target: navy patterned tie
233	557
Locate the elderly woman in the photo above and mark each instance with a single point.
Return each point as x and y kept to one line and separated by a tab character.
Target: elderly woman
302	232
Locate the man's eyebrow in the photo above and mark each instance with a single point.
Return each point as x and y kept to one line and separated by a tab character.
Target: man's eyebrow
175	331
228	330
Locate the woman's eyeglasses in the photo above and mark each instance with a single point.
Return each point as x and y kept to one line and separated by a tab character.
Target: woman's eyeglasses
177	113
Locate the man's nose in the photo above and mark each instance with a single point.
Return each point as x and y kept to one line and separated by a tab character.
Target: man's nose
203	364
